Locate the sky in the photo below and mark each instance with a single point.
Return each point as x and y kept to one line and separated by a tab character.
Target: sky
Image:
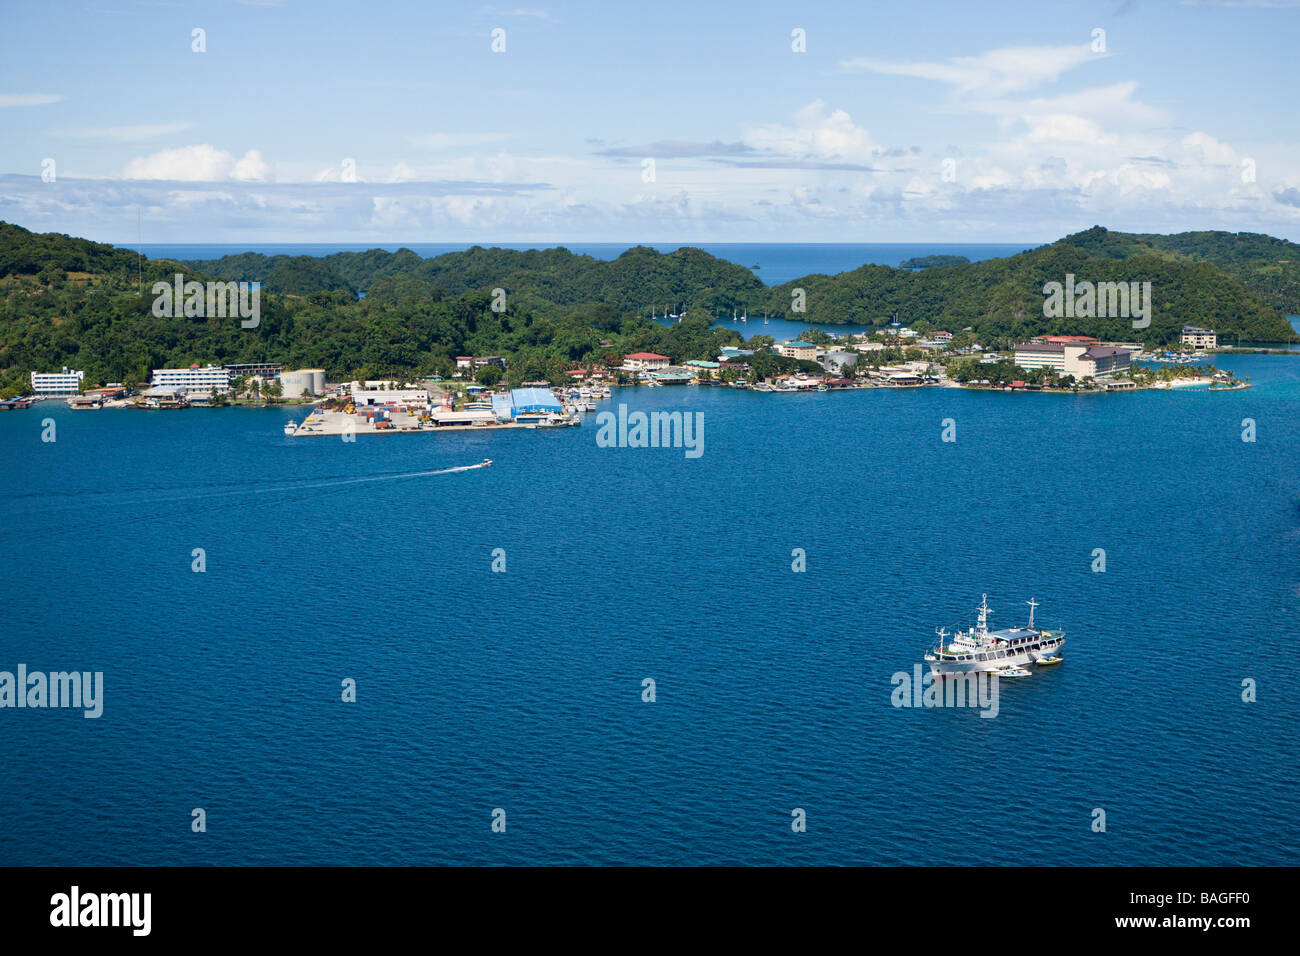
256	121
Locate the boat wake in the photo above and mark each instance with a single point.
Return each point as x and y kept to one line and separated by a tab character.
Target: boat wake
202	500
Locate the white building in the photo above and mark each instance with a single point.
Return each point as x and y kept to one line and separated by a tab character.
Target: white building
645	361
66	382
1081	361
1040	355
192	379
379	393
1199	338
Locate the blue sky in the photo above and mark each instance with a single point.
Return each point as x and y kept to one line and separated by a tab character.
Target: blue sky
902	121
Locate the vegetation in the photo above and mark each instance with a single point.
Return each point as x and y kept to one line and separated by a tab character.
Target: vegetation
1234	283
927	262
67	301
103	323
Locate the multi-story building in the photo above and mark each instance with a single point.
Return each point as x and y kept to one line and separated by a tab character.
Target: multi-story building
798	349
193	379
1097	361
262	370
66	382
1033	355
1199	338
1078	360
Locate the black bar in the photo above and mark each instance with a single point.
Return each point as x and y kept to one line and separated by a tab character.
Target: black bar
337	905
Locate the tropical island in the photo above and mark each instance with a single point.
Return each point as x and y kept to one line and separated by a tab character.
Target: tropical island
928	262
68	302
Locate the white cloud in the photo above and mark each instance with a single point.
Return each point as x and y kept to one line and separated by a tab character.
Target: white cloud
992	73
29	99
816	134
200	163
252	166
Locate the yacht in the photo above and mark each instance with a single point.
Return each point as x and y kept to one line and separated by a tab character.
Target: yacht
290	428
980	649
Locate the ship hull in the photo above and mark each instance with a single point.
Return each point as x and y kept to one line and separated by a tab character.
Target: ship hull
995	659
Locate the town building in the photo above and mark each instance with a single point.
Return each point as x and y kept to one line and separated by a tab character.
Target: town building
1199	338
1097	361
704	369
67	382
192	379
386	393
1079	360
477	362
263	370
645	361
1033	355
526	401
798	349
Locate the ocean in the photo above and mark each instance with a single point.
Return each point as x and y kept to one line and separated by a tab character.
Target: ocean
522	690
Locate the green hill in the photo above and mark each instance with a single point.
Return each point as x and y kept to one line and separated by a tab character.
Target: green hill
68	301
1002	299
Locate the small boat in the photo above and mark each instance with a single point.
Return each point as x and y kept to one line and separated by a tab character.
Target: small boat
485	463
290	428
1044	661
1012	671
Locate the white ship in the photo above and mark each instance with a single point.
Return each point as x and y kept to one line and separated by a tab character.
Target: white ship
980	649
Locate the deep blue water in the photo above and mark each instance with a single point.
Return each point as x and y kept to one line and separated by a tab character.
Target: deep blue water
777	262
522	690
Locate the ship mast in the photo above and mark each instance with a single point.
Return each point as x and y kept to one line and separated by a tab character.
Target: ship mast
1032	604
982	625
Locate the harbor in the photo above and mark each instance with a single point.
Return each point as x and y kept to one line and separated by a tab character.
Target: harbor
382	408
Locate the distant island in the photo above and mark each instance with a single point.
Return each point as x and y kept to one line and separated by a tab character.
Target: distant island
925	262
546	312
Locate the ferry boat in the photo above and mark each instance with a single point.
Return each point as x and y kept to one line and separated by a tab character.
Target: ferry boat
545	420
980	649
